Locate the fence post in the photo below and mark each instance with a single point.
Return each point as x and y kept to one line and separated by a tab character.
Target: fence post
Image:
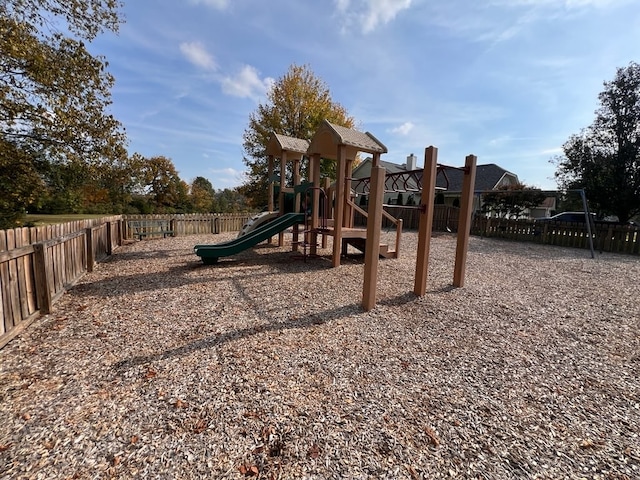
120	232
89	242
109	239
172	227
42	270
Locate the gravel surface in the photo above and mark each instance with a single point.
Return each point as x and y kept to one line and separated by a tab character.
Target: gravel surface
265	366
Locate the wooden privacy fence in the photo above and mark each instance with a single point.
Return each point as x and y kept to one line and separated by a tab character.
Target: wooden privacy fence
607	237
38	264
188	224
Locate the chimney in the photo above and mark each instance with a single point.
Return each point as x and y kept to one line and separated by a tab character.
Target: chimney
412	161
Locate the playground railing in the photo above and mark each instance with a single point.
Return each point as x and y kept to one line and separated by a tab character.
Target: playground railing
398	222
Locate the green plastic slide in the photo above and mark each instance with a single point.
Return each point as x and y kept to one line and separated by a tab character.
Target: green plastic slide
211	253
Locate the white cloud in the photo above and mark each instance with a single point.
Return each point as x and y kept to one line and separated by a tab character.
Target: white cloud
226	177
246	84
369	13
566	4
217	4
403	129
198	55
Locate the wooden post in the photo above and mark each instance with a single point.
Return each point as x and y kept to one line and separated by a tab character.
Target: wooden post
339	206
372	245
283	176
427	201
398	236
315	218
348	210
89	243
109	239
43	274
270	200
271	203
296	204
327	209
464	222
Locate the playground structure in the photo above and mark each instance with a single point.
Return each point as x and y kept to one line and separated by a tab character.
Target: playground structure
331	209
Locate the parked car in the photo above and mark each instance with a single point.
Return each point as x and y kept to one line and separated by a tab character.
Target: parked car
573	217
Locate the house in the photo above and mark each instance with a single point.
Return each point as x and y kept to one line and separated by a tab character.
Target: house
404	182
488	177
402	186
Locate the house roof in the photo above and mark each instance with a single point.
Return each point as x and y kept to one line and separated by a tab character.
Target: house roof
488	176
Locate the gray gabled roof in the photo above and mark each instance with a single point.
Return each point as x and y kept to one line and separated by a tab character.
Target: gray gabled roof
488	177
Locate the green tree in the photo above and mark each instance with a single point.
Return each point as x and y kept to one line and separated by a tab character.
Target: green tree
511	201
296	105
54	94
202	195
21	186
604	159
230	201
167	192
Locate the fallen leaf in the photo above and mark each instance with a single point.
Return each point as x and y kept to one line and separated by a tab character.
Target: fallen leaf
150	373
5	447
180	404
134	439
587	444
243	469
258	450
201	426
435	441
413	473
314	452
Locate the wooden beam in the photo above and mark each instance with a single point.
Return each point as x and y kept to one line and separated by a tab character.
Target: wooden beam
372	244
427	200
339	205
464	221
315	196
296	203
283	183
271	201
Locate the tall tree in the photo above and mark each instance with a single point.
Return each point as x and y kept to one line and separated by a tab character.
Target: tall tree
202	195
296	105
54	94
21	186
168	193
604	159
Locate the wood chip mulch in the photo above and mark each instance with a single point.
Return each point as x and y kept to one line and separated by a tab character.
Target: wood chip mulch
265	366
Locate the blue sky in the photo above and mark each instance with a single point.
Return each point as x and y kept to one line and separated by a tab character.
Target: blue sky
506	80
